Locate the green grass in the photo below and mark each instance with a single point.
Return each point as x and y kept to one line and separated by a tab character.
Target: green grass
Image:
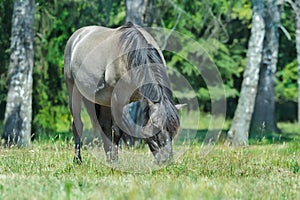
47	171
267	169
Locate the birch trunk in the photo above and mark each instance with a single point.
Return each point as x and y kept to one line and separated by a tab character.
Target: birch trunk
139	12
17	121
263	119
238	133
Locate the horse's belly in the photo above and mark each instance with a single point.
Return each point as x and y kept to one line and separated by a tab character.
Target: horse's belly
101	97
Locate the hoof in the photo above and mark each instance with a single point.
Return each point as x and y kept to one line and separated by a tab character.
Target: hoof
77	160
112	157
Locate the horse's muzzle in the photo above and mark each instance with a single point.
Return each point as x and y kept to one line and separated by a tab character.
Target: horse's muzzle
163	154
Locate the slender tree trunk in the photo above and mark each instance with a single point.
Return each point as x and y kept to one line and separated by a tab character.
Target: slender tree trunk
238	133
297	12
139	12
17	122
263	119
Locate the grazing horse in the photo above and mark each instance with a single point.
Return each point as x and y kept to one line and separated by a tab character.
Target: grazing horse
96	60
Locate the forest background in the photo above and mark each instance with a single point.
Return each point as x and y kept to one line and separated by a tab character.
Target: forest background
223	28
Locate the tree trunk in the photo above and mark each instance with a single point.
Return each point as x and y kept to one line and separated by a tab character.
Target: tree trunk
263	119
297	12
139	12
17	121
238	133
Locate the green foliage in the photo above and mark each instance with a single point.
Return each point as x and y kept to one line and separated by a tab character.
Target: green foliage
286	75
6	8
55	22
220	27
286	84
242	11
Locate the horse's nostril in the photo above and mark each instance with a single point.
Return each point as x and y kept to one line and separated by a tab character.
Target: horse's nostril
164	155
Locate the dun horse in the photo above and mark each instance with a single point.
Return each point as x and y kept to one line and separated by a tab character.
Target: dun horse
96	60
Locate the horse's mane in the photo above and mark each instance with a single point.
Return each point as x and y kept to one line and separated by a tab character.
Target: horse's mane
140	53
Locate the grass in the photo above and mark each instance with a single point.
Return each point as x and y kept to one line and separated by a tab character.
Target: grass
267	169
47	171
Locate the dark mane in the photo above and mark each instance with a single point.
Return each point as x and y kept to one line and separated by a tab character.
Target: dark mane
141	53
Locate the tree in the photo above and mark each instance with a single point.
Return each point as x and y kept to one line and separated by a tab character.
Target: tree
139	12
6	10
297	11
17	121
238	133
263	119
296	8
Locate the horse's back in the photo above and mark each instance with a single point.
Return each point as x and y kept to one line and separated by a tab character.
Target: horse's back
79	41
88	40
89	52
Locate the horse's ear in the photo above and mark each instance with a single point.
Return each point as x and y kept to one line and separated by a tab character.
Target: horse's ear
150	103
180	106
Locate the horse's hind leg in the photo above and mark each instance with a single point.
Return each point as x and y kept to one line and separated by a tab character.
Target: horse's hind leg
75	99
93	111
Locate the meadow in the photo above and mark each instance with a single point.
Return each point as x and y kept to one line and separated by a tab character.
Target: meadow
267	169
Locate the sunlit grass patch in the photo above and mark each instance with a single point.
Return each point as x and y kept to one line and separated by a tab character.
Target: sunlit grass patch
267	170
47	171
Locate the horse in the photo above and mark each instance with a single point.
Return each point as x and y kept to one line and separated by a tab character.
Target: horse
105	66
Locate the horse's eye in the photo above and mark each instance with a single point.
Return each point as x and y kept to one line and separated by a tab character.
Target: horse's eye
153	123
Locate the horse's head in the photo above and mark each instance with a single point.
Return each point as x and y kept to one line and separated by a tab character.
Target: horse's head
156	123
160	129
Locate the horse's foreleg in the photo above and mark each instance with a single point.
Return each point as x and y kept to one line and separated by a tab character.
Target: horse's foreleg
111	134
116	136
